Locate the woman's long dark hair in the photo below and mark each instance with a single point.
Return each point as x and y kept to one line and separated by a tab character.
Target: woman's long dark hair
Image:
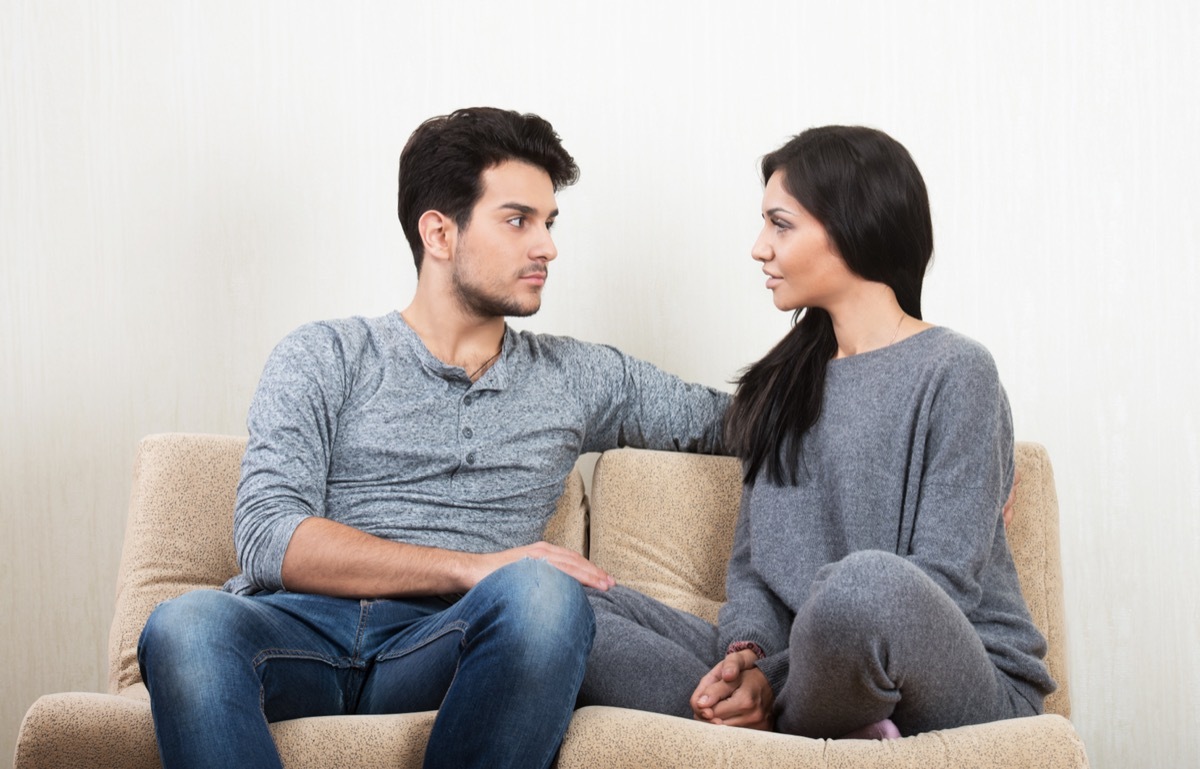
865	190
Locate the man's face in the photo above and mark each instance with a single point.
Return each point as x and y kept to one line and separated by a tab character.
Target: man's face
500	257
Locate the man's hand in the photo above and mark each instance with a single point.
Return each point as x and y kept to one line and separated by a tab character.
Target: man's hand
1008	503
735	693
567	561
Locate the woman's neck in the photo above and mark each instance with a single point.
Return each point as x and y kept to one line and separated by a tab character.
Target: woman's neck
870	318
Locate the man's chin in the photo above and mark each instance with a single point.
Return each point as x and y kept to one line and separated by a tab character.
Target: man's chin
523	312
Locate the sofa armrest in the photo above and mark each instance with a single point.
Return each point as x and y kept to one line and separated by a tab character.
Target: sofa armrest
78	729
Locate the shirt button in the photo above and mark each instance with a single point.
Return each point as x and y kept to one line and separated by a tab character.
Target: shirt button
467	432
471	458
469	400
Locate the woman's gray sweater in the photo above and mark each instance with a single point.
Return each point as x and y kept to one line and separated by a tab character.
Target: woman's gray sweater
913	455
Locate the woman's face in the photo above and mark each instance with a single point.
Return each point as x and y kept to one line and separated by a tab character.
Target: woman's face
802	267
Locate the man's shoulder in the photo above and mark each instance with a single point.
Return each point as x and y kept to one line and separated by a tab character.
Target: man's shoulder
558	348
349	327
340	336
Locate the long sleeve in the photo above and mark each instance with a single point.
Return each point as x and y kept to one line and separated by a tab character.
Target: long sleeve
634	403
292	425
752	612
355	420
968	469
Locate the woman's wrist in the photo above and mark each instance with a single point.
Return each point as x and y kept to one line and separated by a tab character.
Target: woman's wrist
738	646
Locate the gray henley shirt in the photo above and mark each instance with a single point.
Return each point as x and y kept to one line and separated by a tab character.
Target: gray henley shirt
355	420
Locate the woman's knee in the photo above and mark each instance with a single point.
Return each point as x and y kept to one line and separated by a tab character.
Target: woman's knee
860	594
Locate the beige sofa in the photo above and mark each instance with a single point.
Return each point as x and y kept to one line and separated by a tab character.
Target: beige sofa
655	520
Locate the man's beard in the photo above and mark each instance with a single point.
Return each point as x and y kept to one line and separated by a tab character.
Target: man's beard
480	302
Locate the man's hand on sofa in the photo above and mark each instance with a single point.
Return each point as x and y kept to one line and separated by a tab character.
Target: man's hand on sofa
1012	496
735	693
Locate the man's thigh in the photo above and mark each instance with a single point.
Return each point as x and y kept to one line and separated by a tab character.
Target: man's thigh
517	623
412	661
317	651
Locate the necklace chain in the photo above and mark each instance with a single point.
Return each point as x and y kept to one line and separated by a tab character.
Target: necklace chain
899	323
484	365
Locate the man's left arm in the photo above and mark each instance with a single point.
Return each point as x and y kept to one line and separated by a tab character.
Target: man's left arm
639	405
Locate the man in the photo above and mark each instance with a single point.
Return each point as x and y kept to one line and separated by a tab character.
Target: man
398	476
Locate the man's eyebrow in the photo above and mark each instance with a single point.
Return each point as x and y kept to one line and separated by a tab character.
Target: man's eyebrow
521	208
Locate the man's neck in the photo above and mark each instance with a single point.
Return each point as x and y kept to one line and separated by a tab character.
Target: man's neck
454	337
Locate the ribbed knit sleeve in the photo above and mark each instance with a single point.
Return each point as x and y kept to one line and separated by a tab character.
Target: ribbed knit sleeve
752	612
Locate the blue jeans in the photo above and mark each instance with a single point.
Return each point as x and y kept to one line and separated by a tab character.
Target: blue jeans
502	666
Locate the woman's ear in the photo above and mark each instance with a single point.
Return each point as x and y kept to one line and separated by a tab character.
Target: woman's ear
437	234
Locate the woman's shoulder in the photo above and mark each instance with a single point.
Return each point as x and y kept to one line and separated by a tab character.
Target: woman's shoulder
962	370
938	356
953	349
949	342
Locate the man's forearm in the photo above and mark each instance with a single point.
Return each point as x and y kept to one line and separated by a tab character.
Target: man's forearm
331	558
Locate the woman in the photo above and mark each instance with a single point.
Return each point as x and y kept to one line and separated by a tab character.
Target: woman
871	592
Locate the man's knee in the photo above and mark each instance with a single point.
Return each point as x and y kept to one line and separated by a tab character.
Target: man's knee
546	607
181	629
182	615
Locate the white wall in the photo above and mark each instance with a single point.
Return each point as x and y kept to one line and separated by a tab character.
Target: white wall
184	182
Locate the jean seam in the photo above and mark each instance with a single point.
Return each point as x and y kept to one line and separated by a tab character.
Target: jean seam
364	615
457	626
298	654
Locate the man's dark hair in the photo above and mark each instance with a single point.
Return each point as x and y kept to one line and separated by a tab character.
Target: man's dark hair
442	164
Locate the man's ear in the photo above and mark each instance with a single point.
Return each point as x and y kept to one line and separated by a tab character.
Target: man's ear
437	234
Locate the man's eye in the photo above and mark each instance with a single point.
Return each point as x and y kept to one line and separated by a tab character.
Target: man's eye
517	221
550	223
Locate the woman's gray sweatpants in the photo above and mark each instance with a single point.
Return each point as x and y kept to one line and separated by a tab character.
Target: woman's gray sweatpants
876	638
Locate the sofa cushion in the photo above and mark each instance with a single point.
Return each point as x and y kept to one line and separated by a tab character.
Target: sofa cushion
615	738
663	522
178	536
116	732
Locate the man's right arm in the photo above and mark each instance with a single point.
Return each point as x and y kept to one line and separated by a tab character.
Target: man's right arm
282	535
331	558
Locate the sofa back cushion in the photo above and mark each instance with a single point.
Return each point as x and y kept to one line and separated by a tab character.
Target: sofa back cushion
178	536
179	533
662	523
1033	539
